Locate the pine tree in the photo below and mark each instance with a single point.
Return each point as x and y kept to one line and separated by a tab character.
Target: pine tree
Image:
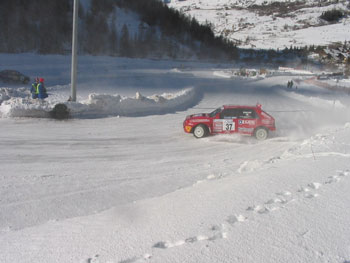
113	40
125	43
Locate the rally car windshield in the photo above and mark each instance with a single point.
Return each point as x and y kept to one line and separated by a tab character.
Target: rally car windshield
213	113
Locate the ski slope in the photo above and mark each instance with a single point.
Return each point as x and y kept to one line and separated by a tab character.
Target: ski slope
138	189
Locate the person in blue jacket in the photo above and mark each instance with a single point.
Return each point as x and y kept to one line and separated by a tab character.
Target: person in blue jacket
41	90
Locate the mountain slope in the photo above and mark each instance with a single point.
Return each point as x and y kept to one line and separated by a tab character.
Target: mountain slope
143	28
270	24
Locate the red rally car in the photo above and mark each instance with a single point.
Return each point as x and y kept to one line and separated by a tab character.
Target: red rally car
249	120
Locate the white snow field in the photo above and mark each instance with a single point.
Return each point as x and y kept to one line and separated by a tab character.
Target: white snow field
264	28
125	186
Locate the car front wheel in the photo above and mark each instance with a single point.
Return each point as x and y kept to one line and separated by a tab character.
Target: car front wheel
261	134
200	131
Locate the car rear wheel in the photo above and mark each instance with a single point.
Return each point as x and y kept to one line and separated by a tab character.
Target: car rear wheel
200	131
261	133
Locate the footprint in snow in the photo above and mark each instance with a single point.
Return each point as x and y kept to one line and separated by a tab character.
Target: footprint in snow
337	178
94	259
304	190
136	259
315	186
332	179
274	201
310	195
196	239
220	234
217	228
284	193
254	208
261	209
281	200
344	173
233	219
168	244
311	186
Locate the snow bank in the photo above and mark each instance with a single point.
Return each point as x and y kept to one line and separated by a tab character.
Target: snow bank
223	74
102	105
25	107
8	93
294	71
99	105
17	103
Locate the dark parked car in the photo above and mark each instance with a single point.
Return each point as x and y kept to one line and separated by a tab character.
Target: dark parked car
13	76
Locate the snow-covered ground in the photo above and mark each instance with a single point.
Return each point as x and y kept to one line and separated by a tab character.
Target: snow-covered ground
252	27
138	189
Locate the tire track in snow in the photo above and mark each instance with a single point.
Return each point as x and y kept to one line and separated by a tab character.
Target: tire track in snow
305	150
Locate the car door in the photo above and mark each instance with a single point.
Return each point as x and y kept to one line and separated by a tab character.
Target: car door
246	121
227	122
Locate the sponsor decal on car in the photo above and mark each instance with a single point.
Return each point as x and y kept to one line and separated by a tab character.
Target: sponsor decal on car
217	125
245	130
200	120
247	122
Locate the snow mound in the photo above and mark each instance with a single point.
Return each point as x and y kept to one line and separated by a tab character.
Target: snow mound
25	107
102	105
99	105
223	74
8	93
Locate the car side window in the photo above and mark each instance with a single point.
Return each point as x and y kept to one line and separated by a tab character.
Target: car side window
247	114
228	114
213	114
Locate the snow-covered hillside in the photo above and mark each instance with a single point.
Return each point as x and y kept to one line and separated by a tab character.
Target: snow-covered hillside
270	24
123	189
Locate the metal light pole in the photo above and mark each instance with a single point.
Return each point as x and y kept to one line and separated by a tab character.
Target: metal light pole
74	51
